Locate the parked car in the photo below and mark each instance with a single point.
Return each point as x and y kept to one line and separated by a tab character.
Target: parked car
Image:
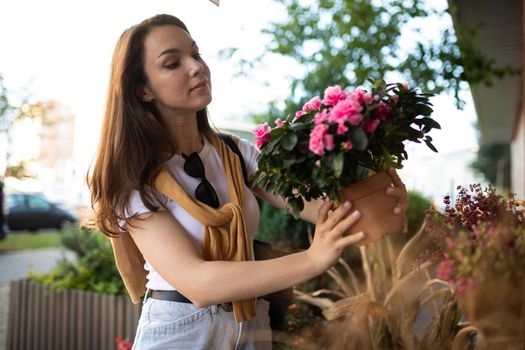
32	212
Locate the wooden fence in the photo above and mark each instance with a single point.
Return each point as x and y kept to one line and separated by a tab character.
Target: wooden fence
42	318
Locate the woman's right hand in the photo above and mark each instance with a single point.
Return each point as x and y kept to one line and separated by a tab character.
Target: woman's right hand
329	240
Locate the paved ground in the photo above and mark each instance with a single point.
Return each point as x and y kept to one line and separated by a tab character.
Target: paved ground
17	265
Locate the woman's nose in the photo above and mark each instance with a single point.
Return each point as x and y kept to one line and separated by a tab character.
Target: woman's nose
197	67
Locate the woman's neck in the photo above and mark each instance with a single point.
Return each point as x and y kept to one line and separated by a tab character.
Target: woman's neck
184	133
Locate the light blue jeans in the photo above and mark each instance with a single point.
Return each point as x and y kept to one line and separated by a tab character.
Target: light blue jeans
172	325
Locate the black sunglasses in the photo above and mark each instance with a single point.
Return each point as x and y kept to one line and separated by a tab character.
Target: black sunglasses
204	192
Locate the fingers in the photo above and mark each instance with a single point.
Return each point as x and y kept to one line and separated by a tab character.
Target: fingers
398	191
348	221
396	180
351	239
323	211
335	217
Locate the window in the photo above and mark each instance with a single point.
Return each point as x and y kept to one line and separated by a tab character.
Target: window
15	200
37	203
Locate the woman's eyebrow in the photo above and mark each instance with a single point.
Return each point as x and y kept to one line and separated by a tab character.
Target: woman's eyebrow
174	50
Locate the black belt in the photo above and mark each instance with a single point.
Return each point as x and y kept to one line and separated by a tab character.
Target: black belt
169	295
173	295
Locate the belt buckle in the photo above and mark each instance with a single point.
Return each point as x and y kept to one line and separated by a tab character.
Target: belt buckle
228	307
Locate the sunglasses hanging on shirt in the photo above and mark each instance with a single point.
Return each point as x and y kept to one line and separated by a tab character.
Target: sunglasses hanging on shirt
204	192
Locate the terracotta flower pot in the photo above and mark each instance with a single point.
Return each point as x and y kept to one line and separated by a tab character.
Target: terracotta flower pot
376	207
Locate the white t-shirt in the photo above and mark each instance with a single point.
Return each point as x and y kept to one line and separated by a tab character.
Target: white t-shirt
215	175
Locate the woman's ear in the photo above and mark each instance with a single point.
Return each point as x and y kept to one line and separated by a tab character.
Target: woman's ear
145	95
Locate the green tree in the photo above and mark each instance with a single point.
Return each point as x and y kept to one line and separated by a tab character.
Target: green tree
493	163
5	106
345	42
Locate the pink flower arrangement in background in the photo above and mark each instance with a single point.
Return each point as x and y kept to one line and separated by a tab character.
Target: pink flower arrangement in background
334	140
123	344
483	237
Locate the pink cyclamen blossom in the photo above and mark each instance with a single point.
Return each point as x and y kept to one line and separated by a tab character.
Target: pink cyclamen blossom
334	94
316	143
405	85
279	122
371	125
262	134
312	105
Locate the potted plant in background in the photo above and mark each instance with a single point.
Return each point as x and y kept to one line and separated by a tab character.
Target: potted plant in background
483	258
340	146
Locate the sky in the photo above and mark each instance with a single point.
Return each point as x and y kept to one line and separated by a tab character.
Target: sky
61	50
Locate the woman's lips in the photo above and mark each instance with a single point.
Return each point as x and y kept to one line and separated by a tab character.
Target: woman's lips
201	85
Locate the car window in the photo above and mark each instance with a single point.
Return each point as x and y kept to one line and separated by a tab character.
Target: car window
37	203
15	200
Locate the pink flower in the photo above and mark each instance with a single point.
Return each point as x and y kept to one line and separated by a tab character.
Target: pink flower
348	110
382	111
371	125
341	128
329	142
334	94
312	105
464	284
361	96
405	85
316	143
262	134
321	117
394	98
279	123
298	115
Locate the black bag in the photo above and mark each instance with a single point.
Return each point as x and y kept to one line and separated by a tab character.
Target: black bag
280	300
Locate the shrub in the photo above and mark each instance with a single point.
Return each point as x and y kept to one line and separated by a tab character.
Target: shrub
93	269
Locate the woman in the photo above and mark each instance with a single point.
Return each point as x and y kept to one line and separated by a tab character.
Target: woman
172	197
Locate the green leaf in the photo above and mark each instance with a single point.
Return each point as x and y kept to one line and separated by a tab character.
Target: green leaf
297	126
430	124
296	204
424	109
358	138
430	145
338	164
289	142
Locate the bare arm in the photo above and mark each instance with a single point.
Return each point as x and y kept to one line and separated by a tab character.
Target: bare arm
170	250
309	212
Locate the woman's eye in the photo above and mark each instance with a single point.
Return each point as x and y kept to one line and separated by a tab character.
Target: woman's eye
197	55
172	65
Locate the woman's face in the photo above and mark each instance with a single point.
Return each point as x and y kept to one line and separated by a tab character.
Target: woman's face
178	80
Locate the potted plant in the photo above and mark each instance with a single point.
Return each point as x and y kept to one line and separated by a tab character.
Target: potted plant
483	258
342	139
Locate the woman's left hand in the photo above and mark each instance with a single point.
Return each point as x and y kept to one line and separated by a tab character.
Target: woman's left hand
399	191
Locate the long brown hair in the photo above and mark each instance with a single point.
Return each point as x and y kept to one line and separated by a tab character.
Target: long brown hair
134	145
